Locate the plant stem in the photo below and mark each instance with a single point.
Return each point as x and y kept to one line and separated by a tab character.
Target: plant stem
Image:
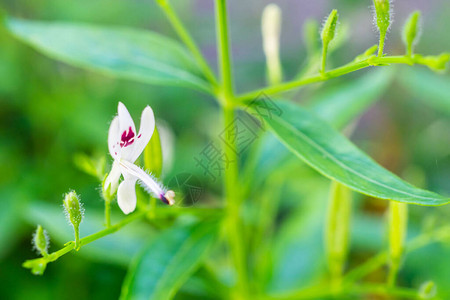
184	35
345	69
232	196
392	275
381	45
90	238
233	221
77	238
324	58
107	212
224	48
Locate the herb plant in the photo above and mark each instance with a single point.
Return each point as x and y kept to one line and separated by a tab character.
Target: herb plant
227	247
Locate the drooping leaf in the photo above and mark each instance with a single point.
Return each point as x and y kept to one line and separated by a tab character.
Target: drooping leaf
168	261
123	52
333	155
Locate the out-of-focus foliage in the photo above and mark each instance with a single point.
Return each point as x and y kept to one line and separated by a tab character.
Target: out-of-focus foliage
51	112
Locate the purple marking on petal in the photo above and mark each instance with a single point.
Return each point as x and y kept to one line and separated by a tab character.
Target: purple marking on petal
164	199
127	138
139	136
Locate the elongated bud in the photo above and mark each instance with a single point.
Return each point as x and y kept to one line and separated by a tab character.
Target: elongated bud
398	225
383	19
109	186
338	228
329	27
383	12
411	32
41	241
73	208
271	27
427	290
74	212
327	35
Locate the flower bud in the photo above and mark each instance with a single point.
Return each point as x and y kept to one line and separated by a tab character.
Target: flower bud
329	27
73	208
382	15
41	241
398	225
270	25
427	290
338	228
411	32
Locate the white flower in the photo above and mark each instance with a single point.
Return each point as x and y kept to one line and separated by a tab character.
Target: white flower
125	146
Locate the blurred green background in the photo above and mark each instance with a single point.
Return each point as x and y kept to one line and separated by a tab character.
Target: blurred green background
50	112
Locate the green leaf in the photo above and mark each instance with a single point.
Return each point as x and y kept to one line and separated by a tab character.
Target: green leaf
341	104
168	261
123	52
337	105
153	160
333	155
433	89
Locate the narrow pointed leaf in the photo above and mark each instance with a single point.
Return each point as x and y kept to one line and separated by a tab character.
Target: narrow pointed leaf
168	261
134	54
333	155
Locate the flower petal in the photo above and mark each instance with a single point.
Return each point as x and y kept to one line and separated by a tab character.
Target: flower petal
112	181
127	132
145	132
126	195
152	186
114	138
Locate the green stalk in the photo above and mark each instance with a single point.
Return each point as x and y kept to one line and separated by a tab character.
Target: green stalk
107	212
184	35
324	58
381	45
223	45
86	240
345	69
232	196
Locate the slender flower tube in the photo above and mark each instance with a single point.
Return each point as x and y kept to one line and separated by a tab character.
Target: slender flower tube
125	146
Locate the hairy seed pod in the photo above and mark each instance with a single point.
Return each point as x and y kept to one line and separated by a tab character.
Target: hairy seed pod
329	27
41	241
383	15
411	32
73	208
